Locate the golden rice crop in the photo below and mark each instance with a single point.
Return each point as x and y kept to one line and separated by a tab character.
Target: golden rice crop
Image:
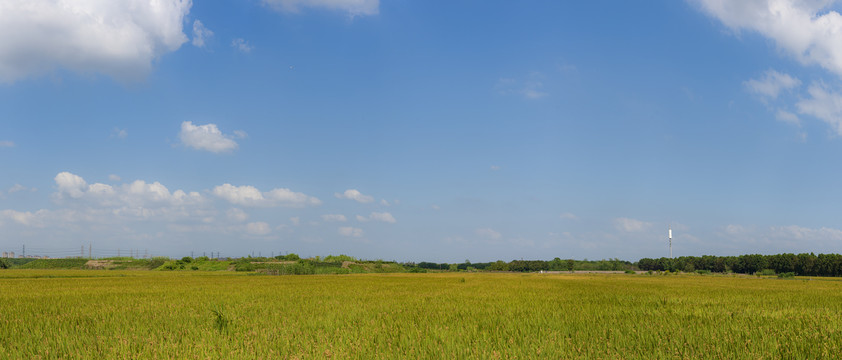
54	314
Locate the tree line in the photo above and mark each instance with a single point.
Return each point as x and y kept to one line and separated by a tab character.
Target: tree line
556	264
800	264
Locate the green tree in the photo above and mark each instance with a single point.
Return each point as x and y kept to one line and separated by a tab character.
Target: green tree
571	264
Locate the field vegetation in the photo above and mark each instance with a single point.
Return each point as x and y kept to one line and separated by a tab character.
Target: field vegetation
75	314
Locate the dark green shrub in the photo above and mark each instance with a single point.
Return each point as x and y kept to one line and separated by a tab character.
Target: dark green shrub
186	259
786	275
156	262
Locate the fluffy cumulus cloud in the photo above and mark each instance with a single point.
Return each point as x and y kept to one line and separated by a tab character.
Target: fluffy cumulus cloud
250	196
26	218
134	195
121	39
631	225
824	104
771	84
351	7
356	195
803	29
207	137
350	231
808	31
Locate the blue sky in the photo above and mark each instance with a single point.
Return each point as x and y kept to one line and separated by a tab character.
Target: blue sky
421	130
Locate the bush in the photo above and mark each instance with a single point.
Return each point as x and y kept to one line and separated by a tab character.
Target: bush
243	266
4	264
631	272
767	272
703	272
786	275
417	270
187	259
157	261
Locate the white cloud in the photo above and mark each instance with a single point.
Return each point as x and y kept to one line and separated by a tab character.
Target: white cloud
18	187
771	84
488	233
824	104
258	228
356	195
568	216
27	218
351	7
295	220
250	196
384	202
495	168
7	143
631	225
206	137
70	184
237	215
200	34
334	217
788	117
378	216
113	177
733	229
382	216
805	30
121	39
134	195
350	231
241	44
794	232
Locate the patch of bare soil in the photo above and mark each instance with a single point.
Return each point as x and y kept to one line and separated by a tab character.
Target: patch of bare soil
99	264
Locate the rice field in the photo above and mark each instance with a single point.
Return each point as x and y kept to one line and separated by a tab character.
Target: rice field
89	314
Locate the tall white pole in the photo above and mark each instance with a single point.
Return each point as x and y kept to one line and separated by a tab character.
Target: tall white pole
670	235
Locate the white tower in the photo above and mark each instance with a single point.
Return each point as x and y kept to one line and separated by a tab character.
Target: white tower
670	236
